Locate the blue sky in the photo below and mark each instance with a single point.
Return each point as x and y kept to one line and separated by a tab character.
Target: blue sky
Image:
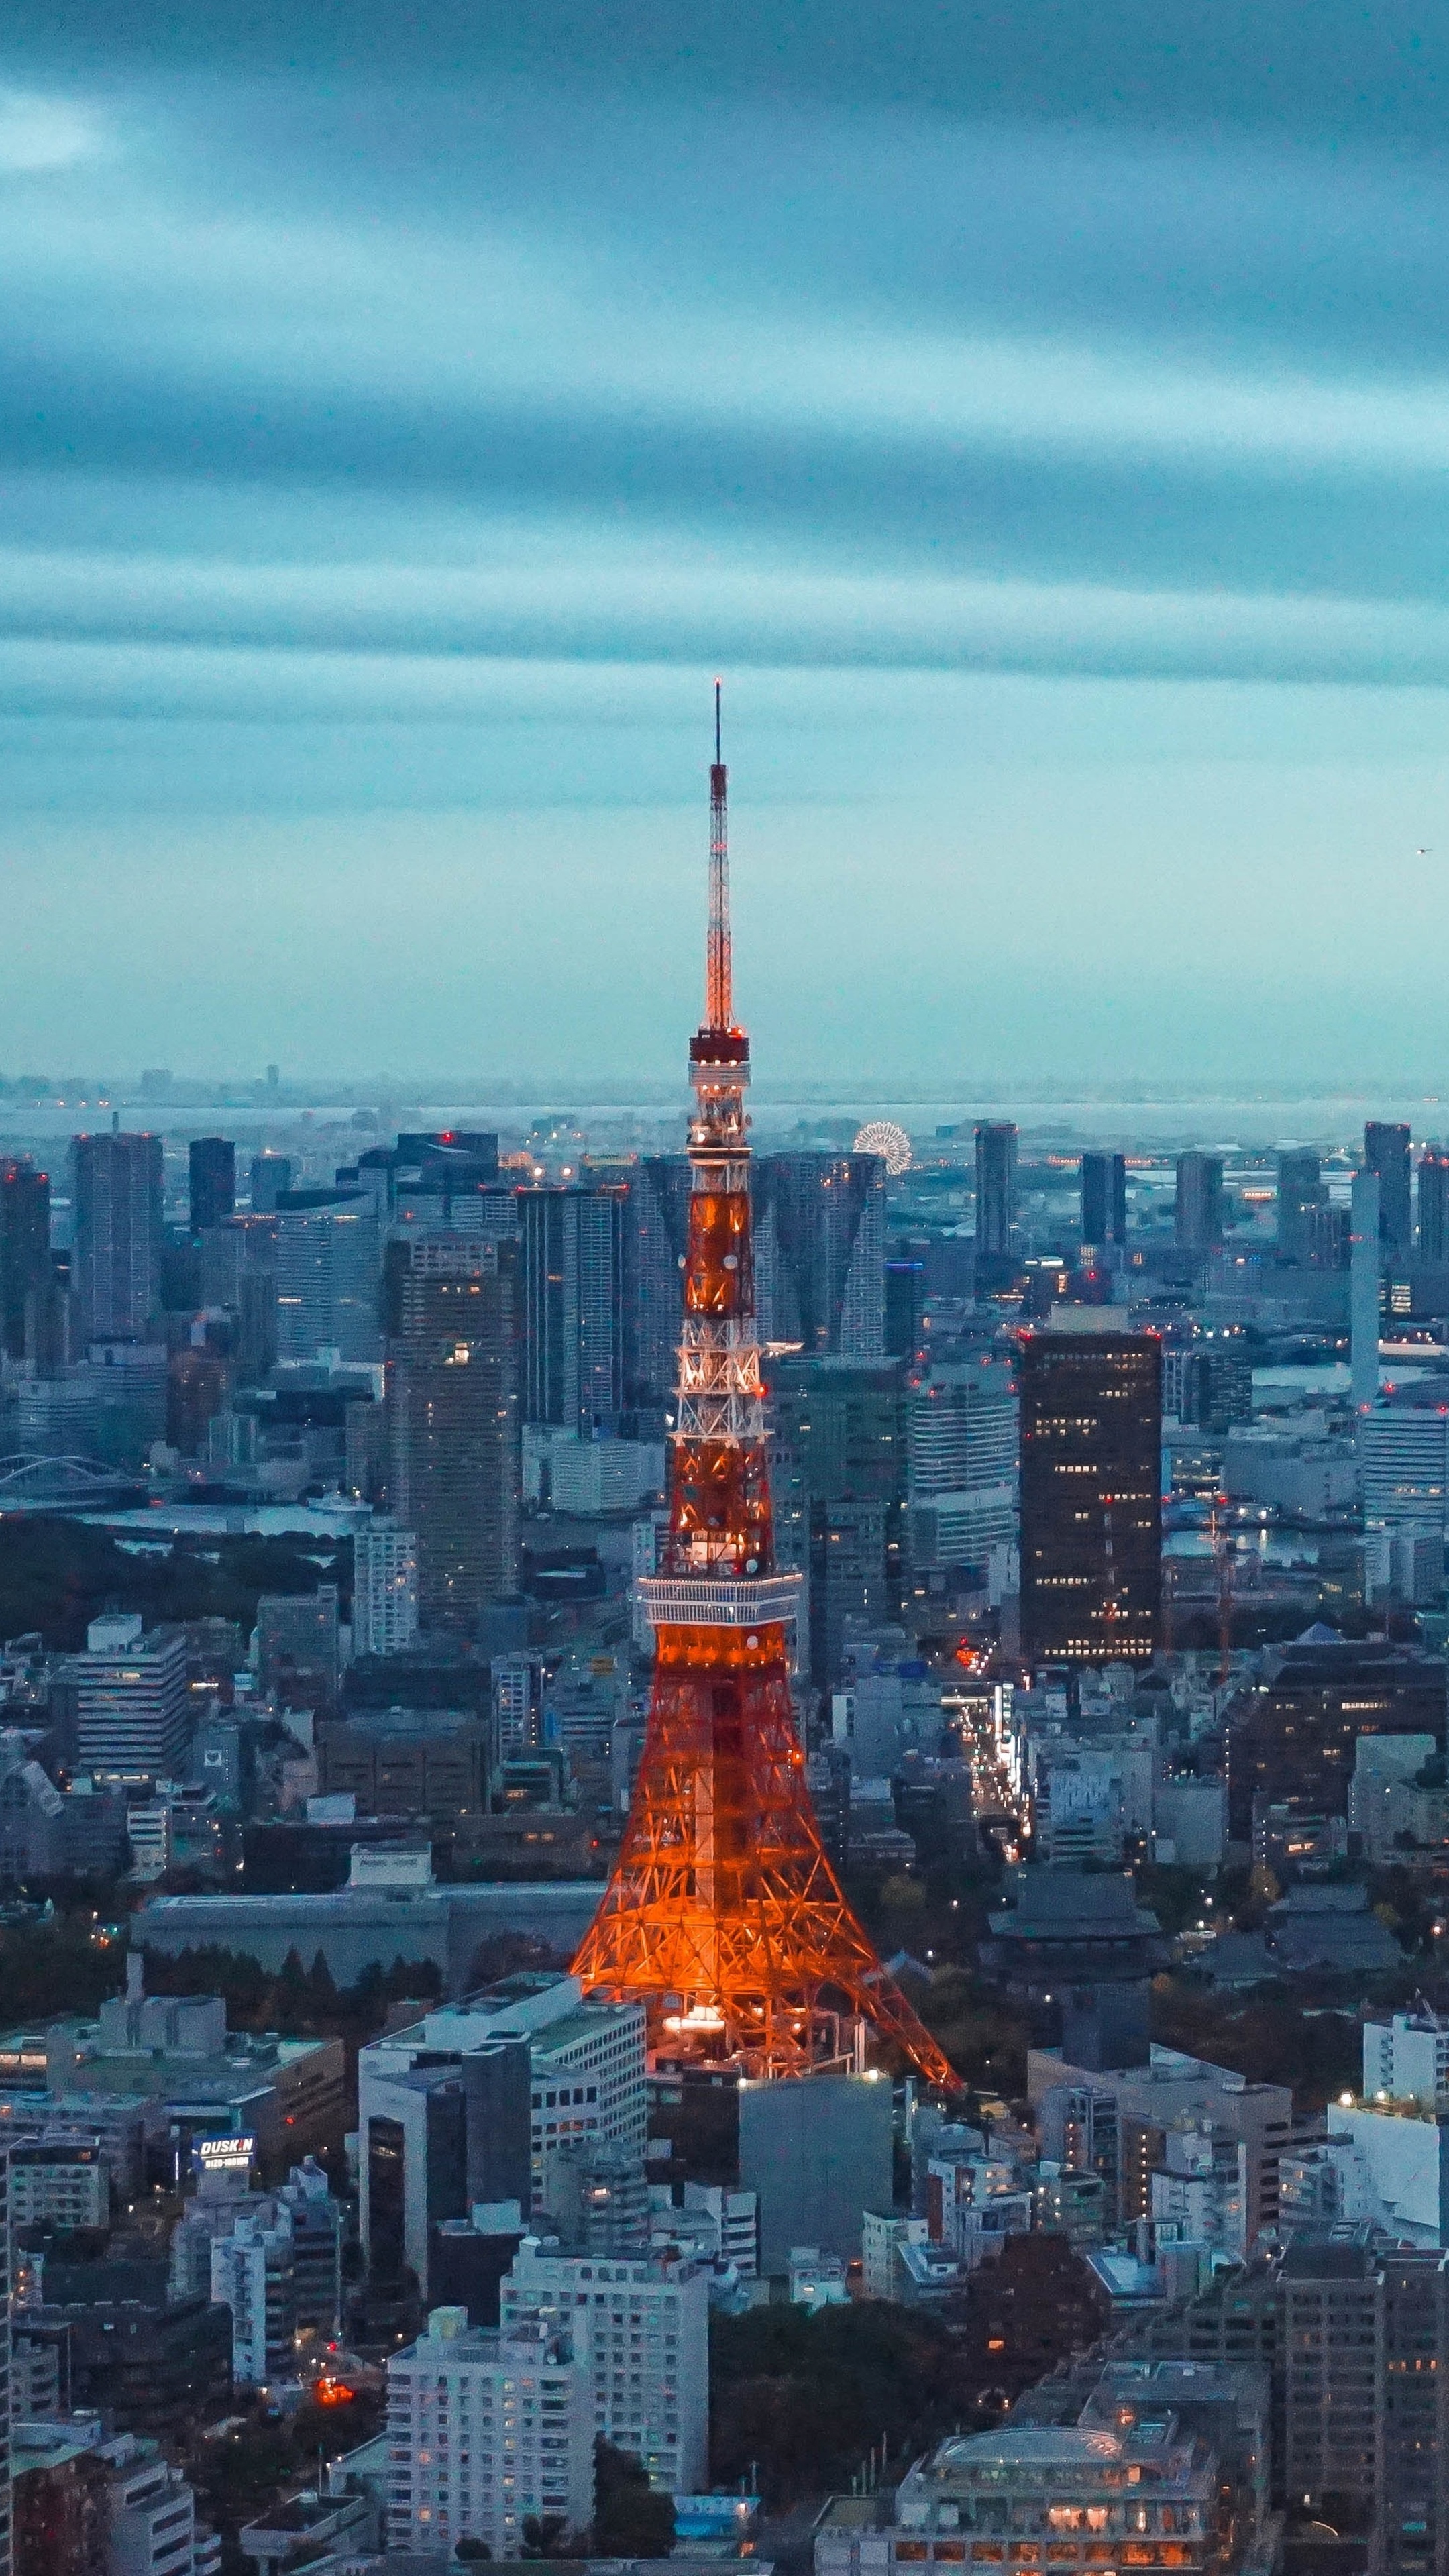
1042	419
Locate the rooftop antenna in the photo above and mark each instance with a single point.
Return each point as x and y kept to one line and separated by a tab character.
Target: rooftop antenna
718	1001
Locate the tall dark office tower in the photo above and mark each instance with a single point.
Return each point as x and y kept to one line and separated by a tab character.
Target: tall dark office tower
1434	1206
1104	1199
24	1246
905	1301
995	1185
1386	1151
1091	1522
454	1475
572	1245
1300	1191
116	1269
1217	1388
1411	2408
212	1175
1198	1214
52	1326
271	1175
819	1223
656	1238
239	1272
837	1450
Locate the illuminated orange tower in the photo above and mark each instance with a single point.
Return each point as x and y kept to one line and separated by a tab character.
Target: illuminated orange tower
724	1914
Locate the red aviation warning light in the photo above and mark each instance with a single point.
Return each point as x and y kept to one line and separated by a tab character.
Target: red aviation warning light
724	1914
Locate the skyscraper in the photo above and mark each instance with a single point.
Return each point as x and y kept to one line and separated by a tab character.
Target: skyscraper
995	1185
838	1480
1386	1151
24	1246
1198	1211
573	1306
1104	1199
961	1450
1091	1527
1366	1237
271	1174
1411	2412
453	1424
656	1236
131	1712
327	1274
1300	1191
820	1252
299	1647
116	1267
1434	1206
905	1301
384	1588
239	1272
212	1175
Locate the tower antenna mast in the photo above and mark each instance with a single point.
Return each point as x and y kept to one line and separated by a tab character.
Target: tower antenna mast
718	999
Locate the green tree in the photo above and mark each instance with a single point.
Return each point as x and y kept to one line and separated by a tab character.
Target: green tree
631	2518
542	2533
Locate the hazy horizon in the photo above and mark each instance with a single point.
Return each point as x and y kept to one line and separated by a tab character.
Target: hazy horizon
404	420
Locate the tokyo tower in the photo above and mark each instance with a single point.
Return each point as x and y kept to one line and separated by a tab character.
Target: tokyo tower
724	1915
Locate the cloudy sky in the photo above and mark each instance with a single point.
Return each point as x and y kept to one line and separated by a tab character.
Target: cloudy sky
1039	414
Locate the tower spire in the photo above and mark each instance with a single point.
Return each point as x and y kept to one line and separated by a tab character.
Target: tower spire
718	1002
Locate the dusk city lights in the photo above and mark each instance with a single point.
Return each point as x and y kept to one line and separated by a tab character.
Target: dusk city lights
724	1289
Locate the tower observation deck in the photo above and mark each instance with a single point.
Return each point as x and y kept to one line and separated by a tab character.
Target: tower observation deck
724	1914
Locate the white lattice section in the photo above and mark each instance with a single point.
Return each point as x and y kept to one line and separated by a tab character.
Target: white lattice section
719	1601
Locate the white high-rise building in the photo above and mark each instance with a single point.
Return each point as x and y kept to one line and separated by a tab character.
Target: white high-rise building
1406	2059
643	2329
252	2274
384	1589
1202	2187
1402	1456
518	1702
487	2430
151	2512
131	1711
961	1464
328	1262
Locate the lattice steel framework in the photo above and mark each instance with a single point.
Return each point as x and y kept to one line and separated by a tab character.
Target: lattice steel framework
724	1914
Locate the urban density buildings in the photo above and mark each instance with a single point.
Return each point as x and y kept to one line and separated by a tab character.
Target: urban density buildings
973	1597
